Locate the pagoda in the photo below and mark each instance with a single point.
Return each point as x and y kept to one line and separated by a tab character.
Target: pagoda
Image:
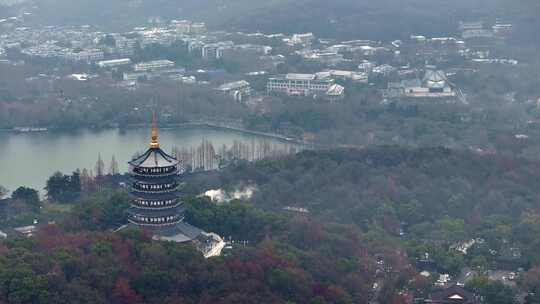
157	204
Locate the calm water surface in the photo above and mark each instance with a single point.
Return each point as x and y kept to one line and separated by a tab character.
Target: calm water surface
28	159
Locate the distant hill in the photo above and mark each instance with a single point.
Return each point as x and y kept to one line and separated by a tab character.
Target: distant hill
345	19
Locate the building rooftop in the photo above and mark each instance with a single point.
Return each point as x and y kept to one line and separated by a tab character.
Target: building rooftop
300	77
233	85
434	79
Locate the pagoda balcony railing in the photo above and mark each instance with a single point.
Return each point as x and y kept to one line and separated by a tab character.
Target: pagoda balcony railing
156	191
145	224
154	171
157	208
133	173
141	186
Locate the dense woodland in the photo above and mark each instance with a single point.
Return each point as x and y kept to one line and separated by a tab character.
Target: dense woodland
389	203
425	199
291	260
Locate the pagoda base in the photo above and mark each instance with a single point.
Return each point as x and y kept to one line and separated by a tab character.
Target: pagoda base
209	244
179	233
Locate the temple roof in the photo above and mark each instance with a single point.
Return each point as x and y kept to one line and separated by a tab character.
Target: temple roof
434	79
453	294
181	232
153	158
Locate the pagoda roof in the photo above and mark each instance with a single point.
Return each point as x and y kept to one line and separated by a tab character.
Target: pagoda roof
154	158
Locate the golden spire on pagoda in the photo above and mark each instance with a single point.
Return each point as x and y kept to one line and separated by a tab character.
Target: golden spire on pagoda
154	143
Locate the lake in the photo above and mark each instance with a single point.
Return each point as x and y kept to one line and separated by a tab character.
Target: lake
29	159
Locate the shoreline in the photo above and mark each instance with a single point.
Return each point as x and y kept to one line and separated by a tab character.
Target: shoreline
206	124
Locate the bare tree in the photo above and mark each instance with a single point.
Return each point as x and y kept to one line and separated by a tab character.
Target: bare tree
113	170
100	166
3	191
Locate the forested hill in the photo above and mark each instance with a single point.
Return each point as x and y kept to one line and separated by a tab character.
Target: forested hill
345	19
384	205
418	190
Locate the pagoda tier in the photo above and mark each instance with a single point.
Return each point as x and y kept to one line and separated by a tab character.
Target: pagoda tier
155	196
159	188
156	204
154	217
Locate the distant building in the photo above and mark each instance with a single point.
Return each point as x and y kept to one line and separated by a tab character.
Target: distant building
502	30
88	55
134	76
357	77
114	63
253	48
453	295
26	231
215	50
304	39
435	84
198	28
239	90
305	85
325	57
153	65
124	46
182	26
383	70
470	30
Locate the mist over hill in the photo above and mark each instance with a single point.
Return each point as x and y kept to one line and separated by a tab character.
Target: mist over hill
341	19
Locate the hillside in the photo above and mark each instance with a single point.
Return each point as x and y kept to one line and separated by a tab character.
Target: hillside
373	214
434	195
346	19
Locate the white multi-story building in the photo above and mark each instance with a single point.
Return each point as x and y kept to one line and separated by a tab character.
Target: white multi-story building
358	77
502	30
304	85
153	65
260	49
215	50
136	76
471	30
327	58
198	28
239	90
114	63
88	55
305	39
125	46
182	26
